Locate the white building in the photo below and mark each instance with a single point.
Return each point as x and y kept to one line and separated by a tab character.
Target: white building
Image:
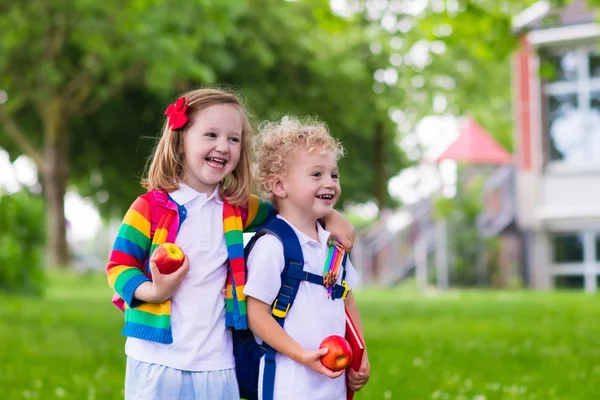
557	143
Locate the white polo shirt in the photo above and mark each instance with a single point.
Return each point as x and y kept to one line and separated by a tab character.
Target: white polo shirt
200	340
311	318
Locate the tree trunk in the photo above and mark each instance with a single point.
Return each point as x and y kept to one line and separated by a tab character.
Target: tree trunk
55	174
380	159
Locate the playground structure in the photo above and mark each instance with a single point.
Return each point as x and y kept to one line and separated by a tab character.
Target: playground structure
410	241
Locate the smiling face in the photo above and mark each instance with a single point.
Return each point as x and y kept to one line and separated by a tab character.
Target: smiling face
311	183
212	146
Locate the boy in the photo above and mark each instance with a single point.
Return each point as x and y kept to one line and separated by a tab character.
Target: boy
297	168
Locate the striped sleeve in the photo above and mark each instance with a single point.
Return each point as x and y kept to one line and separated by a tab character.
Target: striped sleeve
259	213
129	252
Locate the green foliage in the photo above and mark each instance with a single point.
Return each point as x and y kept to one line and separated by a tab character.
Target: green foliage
21	243
455	60
461	344
112	84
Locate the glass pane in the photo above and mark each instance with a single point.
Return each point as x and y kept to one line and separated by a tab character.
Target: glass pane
563	66
594	58
567	248
598	247
569	282
592	127
566	133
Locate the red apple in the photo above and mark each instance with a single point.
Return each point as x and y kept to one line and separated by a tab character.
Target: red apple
168	258
339	355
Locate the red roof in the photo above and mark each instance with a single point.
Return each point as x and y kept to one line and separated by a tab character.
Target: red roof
475	146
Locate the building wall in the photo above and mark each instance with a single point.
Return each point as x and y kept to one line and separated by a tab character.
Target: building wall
553	202
576	192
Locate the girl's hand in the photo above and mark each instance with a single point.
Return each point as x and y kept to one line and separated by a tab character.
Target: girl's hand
312	359
164	286
340	228
358	379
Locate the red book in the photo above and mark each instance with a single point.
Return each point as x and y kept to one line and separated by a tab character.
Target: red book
358	348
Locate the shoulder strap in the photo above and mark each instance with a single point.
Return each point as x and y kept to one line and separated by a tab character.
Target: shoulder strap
292	253
293	260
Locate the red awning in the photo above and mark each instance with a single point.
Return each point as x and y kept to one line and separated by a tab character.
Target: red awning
475	146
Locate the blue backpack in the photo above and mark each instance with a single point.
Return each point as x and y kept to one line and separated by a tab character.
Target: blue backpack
246	350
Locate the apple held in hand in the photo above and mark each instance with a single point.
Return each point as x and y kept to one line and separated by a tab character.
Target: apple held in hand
339	355
168	258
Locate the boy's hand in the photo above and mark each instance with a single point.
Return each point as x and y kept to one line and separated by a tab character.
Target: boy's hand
358	379
312	359
164	286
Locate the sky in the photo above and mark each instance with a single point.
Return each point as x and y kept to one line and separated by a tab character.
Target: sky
432	134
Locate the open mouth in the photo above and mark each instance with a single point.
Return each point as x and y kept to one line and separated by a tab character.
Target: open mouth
216	162
328	197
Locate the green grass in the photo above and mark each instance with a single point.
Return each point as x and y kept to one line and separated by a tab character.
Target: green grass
458	345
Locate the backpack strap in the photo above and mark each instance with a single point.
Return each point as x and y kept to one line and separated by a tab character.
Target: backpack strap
292	253
291	276
340	291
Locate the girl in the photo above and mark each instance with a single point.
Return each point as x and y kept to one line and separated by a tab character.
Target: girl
178	345
297	166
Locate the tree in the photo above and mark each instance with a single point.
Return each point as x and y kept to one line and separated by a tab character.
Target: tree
98	75
324	74
63	60
319	64
450	57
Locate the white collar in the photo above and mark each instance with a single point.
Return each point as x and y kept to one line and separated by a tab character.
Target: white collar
303	238
185	194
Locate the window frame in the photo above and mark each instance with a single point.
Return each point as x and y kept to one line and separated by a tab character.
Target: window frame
589	267
583	87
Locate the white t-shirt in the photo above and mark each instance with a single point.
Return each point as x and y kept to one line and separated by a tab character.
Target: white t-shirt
311	318
200	340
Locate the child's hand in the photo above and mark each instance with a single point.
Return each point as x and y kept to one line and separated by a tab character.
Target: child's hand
312	359
341	229
164	286
358	379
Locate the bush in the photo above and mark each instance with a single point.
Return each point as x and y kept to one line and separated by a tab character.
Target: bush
21	242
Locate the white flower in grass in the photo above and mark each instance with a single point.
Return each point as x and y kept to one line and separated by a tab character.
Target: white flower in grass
493	386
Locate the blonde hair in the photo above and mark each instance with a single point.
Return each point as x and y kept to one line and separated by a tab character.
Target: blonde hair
277	141
166	166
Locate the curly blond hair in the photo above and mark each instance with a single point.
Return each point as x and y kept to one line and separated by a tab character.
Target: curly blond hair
277	141
166	166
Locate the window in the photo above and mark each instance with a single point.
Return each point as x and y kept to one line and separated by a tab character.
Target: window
569	282
575	260
597	240
567	248
572	91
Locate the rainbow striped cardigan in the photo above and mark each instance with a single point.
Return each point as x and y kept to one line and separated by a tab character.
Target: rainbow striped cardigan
154	218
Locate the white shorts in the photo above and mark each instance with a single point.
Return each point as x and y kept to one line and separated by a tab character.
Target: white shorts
144	381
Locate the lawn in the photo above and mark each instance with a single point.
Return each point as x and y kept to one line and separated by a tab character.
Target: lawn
457	345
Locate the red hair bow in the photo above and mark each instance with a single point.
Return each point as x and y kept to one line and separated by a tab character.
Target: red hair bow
177	114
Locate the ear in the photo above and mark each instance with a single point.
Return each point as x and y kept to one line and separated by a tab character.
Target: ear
277	187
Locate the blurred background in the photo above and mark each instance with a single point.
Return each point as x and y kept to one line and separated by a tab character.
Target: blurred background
472	175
